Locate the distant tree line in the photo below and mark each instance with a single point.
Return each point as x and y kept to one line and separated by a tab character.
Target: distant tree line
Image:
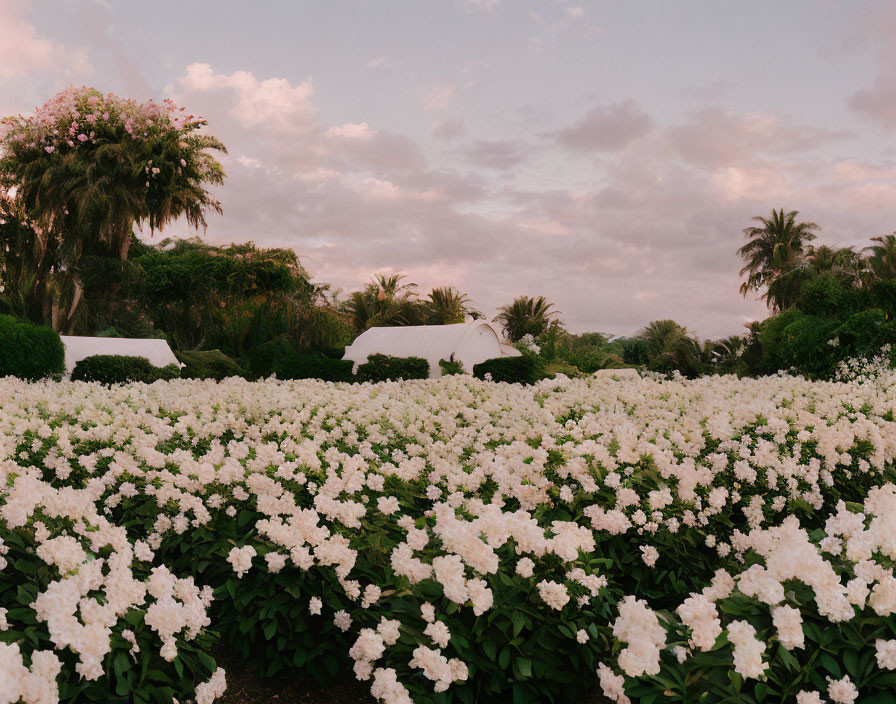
84	172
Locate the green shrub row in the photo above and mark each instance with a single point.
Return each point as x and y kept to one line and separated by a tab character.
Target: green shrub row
121	369
381	367
515	370
29	351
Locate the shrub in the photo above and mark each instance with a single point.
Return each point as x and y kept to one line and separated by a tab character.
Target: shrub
279	357
300	365
451	366
29	351
208	364
260	360
381	367
121	369
515	370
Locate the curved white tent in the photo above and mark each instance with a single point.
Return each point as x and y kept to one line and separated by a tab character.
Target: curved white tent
470	343
77	348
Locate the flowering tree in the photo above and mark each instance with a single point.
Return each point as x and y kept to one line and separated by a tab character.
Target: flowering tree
87	168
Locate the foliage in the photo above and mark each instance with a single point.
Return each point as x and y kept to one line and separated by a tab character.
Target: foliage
29	351
670	348
448	306
207	364
87	168
121	369
526	316
526	369
280	357
451	366
381	367
773	249
231	298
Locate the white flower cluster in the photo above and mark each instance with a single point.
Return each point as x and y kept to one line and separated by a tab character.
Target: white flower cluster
462	472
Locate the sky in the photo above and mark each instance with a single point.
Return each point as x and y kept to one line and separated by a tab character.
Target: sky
605	155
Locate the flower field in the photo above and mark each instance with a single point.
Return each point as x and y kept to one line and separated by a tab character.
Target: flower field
659	540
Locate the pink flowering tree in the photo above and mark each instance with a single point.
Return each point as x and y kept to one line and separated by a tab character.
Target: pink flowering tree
88	168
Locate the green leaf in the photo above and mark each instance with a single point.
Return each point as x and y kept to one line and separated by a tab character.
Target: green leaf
504	658
519	622
830	665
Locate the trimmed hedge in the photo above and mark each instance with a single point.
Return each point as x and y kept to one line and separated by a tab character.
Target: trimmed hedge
121	369
279	357
29	351
208	364
314	366
381	367
515	370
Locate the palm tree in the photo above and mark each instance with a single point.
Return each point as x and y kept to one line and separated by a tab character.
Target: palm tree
882	257
774	248
390	286
385	302
844	264
447	305
670	347
526	316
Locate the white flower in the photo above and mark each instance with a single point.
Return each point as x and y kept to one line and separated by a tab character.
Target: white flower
842	691
885	653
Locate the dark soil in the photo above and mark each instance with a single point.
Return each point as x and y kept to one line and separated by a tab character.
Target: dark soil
243	687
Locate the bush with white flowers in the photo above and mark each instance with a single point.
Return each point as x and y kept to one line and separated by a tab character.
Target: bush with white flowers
717	539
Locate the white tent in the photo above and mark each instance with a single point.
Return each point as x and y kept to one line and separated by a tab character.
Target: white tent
77	348
470	343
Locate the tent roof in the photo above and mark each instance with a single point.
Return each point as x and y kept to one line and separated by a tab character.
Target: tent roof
432	342
77	348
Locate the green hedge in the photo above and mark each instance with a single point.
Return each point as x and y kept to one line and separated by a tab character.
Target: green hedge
381	367
279	357
314	366
516	370
29	351
208	364
121	369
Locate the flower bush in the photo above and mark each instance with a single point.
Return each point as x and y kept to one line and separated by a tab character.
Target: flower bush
710	540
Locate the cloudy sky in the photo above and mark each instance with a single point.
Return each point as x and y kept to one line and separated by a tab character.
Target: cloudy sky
606	155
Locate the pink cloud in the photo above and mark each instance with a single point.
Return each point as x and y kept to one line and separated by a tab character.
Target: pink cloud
607	128
22	50
439	97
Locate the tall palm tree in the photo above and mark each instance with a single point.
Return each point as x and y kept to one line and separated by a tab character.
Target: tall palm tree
882	257
526	316
774	248
447	305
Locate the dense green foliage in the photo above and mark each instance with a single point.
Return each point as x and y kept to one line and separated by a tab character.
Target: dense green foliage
87	169
120	369
515	370
451	366
526	316
279	357
208	364
29	351
382	367
829	324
